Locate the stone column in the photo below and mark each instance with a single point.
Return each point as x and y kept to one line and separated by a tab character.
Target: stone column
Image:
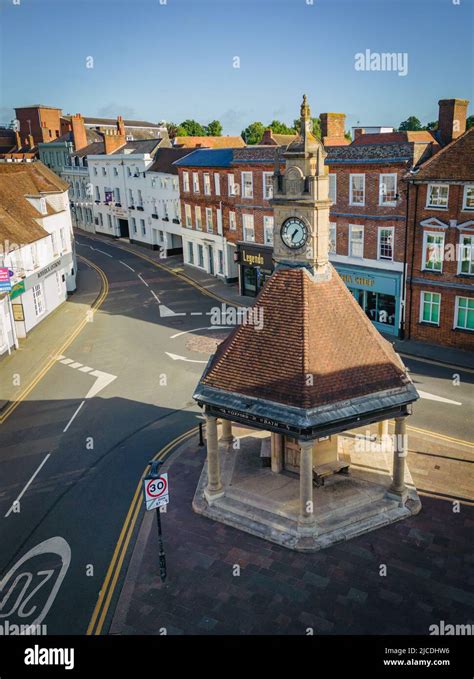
382	429
214	487
398	488
306	518
227	431
277	453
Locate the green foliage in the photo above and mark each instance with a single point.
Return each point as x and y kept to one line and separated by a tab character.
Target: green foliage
192	129
469	122
411	124
253	133
280	128
432	126
214	129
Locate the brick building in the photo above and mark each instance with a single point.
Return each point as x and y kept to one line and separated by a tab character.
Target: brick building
42	122
226	213
440	261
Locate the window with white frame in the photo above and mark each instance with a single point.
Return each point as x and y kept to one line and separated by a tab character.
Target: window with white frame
207	184
115	171
196	182
247	185
430	306
388	189
464	313
357	189
175	184
332	237
197	212
130	198
101	219
385	242
437	196
466	259
333	187
143	227
217	183
97	193
189	219
38	299
95	171
134	225
268	185
232	221
190	252
62	235
356	240
140	198
201	256
209	225
129	171
186	182
109	221
268	230
248	228
468	198
220	262
117	195
433	248
232	186
104	172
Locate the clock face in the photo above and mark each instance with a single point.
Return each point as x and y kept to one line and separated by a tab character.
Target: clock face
294	233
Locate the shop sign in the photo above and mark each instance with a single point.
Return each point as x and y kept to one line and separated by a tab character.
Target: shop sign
61	263
17	289
256	256
18	312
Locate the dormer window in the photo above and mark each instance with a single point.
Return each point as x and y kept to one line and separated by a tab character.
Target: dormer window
43	207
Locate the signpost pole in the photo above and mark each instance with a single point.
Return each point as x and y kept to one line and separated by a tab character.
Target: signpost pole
162	557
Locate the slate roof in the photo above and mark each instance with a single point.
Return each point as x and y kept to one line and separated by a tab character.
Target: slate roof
97	148
139	146
113	122
453	162
210	142
258	154
165	159
207	158
369	153
395	137
313	329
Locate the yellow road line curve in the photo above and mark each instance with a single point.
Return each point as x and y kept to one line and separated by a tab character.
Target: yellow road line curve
113	572
58	352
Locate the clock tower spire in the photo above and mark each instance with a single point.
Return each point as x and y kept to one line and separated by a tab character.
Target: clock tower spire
301	203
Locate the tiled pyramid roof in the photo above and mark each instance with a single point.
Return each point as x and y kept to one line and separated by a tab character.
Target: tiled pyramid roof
316	348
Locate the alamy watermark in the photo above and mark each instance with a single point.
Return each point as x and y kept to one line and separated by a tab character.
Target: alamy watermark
382	61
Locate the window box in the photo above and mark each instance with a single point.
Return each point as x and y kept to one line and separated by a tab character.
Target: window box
176	221
131	207
166	219
154	216
118	204
140	207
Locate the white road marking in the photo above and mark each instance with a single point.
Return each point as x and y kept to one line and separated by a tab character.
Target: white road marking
196	313
143	281
210	327
175	357
128	267
75	365
441	399
85	369
67	361
73	417
166	312
102	381
102	252
155	296
25	489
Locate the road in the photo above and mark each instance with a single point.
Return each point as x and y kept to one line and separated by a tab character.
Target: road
74	451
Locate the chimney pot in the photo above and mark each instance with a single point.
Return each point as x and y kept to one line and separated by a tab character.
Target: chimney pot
452	119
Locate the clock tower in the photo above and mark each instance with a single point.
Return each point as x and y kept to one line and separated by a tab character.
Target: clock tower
301	204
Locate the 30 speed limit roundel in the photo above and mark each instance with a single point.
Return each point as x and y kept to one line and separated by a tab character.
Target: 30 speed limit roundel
156	491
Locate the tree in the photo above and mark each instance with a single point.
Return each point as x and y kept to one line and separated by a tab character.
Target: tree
280	128
470	122
214	129
316	127
191	128
253	133
172	130
432	126
411	124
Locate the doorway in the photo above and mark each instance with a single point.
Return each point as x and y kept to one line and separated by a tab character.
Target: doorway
123	227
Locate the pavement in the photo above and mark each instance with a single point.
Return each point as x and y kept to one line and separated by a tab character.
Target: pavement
395	580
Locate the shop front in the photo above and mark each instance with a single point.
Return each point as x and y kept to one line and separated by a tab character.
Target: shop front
378	293
255	266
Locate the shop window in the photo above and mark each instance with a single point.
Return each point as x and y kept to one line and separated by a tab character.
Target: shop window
385	243
356	241
468	198
430	305
388	189
38	300
379	307
464	313
433	247
466	260
357	189
268	230
437	196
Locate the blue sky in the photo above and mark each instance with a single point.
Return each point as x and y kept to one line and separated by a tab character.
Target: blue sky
175	61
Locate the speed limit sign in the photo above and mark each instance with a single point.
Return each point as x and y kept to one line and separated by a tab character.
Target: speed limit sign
156	491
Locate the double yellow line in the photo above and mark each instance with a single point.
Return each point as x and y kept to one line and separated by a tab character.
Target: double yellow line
113	572
49	364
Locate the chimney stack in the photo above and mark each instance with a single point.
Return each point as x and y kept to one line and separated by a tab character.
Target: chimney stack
120	126
452	119
333	126
18	140
30	142
78	132
358	132
112	141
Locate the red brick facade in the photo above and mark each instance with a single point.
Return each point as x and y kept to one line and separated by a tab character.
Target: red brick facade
44	121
